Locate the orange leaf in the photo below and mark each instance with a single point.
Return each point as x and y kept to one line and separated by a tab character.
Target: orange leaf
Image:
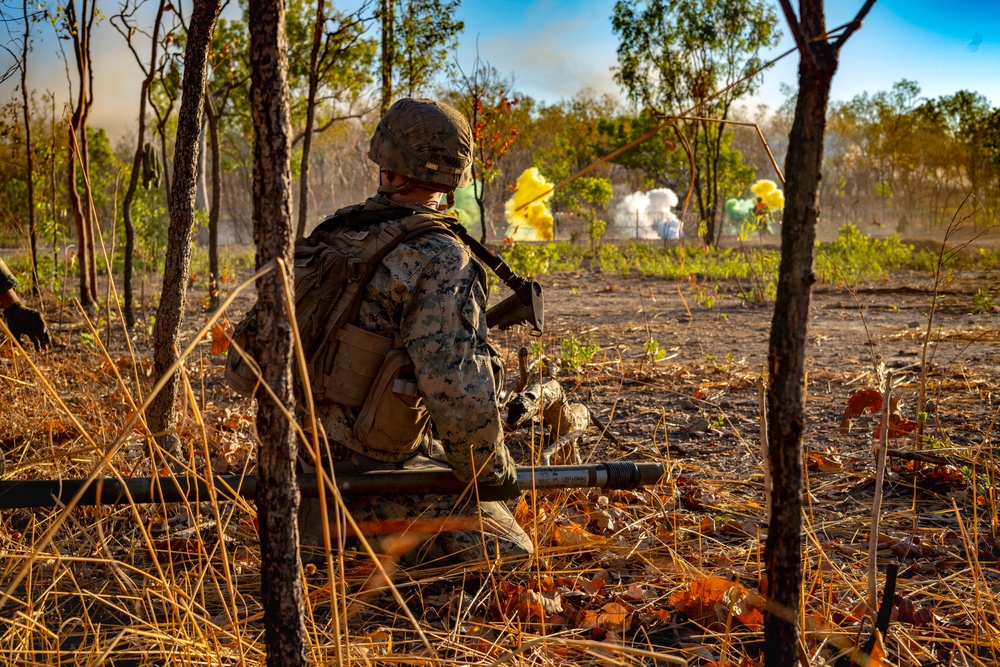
573	535
857	404
220	338
818	462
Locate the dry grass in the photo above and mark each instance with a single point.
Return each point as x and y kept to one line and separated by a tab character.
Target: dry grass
619	578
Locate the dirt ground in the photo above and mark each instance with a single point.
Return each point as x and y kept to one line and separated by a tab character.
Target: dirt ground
714	355
616	561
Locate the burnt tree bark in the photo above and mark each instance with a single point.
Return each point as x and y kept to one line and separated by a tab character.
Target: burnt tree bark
786	351
387	15
277	495
162	414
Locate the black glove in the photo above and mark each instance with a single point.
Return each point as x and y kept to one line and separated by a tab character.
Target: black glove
27	322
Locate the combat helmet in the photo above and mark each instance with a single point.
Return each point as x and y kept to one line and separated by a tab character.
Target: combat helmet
426	141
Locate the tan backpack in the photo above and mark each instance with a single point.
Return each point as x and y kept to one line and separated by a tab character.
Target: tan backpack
332	267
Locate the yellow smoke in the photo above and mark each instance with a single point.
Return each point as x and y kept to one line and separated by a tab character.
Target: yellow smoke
534	221
769	193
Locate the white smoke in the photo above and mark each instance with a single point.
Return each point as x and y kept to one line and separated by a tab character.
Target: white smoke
648	215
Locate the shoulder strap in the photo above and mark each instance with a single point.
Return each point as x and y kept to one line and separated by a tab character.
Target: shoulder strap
359	219
348	304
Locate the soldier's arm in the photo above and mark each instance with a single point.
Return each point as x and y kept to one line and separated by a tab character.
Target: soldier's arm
444	330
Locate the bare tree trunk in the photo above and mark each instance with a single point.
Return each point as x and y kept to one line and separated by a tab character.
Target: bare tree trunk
133	182
29	151
277	495
215	203
786	352
162	415
78	32
387	12
317	44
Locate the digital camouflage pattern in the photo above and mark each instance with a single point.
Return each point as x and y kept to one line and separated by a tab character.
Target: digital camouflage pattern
433	293
7	279
425	140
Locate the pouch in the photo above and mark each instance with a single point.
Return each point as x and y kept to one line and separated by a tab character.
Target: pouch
393	418
357	357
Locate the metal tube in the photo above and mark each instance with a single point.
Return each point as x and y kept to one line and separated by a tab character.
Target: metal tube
109	491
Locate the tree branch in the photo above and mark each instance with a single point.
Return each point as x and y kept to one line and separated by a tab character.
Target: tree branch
793	24
853	25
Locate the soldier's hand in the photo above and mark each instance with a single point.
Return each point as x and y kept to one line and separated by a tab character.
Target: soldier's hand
27	322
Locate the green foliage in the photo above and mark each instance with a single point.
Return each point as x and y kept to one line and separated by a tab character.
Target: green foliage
855	258
982	300
611	260
653	351
673	56
574	354
532	260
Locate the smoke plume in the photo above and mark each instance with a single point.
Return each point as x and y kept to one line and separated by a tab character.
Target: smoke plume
534	221
647	215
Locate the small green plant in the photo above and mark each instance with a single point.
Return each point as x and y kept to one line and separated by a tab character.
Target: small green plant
982	300
723	365
653	351
706	297
595	230
575	354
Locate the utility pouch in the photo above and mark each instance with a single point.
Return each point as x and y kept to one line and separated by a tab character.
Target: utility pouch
393	418
351	365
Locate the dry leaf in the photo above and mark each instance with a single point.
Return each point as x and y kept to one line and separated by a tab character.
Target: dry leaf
857	404
818	462
572	535
220	337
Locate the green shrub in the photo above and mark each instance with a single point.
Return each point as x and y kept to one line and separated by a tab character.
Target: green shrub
854	257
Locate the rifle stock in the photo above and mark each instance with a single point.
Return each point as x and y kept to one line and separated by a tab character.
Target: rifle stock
110	491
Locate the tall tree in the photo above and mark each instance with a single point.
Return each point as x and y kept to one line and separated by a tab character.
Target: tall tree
227	73
78	27
387	16
416	37
123	22
277	496
29	148
162	414
675	55
485	100
818	57
337	64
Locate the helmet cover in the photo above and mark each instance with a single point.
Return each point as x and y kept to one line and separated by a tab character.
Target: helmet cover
426	141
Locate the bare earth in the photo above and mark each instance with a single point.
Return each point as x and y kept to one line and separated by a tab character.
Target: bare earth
649	571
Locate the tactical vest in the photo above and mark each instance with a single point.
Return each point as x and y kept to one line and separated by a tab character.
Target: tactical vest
348	365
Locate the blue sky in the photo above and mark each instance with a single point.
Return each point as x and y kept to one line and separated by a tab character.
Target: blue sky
553	48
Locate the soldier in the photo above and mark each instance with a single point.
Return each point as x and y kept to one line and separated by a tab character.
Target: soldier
20	320
429	294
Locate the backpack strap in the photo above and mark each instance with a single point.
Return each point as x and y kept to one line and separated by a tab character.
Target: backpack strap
361	219
389	237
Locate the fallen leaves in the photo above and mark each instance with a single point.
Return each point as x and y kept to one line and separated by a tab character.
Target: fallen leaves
714	599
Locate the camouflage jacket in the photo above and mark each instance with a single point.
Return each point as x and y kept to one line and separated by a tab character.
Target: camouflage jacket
7	279
432	292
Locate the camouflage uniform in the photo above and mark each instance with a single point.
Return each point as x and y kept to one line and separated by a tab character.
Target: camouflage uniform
432	292
7	279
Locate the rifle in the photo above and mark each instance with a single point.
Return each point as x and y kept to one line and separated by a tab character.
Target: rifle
111	491
524	306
